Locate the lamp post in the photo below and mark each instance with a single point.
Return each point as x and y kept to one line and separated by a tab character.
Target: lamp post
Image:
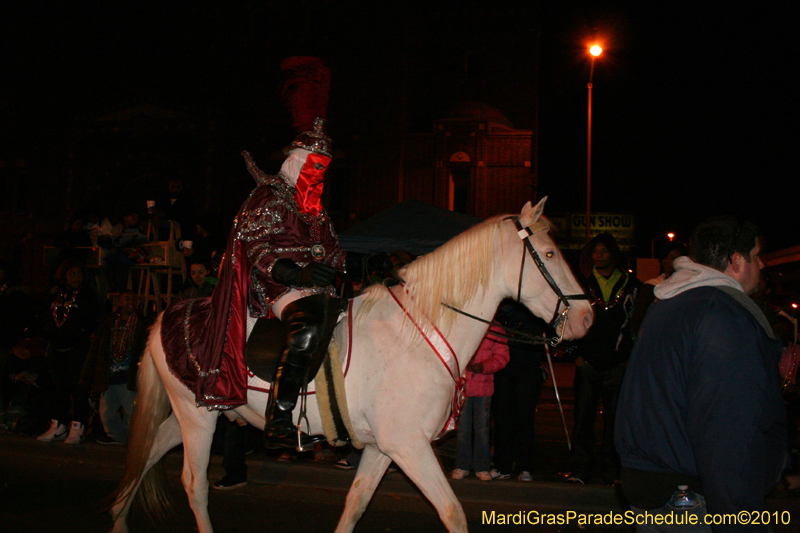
669	235
594	51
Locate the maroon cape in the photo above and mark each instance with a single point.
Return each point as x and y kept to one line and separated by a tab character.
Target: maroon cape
211	362
204	339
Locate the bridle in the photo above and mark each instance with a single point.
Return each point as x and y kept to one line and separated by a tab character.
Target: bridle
525	233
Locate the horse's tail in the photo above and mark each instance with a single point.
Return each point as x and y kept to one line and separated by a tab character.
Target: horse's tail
152	408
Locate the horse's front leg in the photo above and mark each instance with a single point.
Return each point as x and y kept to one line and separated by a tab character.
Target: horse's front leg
416	458
370	472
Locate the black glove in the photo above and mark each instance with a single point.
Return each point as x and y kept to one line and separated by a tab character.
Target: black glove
287	272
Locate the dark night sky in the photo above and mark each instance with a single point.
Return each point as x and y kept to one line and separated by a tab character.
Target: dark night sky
695	106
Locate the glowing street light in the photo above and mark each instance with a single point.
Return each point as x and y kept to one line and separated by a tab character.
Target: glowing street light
669	235
594	51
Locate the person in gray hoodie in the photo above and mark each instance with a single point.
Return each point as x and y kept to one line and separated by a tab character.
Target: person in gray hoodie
700	403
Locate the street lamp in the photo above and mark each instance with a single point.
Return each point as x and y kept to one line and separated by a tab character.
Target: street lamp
670	236
594	51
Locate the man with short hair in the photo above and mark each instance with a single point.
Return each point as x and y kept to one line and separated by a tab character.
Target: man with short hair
701	402
601	357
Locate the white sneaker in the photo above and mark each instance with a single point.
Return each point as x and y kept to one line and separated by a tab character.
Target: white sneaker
459	474
76	431
496	474
56	432
525	476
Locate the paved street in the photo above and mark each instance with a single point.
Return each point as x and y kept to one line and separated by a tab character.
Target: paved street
55	487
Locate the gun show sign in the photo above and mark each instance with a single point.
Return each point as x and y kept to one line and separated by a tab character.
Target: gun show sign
572	228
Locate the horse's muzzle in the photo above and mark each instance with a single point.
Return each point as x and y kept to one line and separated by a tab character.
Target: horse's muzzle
579	321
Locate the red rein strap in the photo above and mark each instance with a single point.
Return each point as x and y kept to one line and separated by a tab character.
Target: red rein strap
455	372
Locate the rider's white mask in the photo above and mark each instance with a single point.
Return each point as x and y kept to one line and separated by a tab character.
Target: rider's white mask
293	164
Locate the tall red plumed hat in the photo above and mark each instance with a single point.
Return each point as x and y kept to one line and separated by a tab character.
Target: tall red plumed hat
306	84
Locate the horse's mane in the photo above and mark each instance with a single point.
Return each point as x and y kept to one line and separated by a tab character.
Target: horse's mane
452	273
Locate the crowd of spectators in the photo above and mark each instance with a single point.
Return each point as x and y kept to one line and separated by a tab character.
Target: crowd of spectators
70	369
69	358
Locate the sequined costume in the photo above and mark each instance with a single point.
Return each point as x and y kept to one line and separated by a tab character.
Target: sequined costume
205	338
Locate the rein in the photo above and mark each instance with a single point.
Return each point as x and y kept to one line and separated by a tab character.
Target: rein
516	335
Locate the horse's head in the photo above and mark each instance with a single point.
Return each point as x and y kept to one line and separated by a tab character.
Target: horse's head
543	279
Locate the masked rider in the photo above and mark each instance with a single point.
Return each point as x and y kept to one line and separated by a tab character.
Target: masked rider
296	254
281	258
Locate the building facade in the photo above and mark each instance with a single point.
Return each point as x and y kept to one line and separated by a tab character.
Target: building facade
474	162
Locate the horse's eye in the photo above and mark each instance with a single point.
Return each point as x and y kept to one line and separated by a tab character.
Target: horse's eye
550	254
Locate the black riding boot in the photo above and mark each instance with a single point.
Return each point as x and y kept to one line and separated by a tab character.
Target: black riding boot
305	320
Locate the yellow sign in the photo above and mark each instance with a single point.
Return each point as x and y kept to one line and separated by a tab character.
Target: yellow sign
573	228
620	225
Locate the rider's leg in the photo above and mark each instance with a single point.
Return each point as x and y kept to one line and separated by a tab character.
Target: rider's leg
304	319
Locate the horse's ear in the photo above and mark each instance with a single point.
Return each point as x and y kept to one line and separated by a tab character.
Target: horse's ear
531	215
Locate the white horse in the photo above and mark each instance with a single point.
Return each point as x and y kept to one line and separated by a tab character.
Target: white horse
399	393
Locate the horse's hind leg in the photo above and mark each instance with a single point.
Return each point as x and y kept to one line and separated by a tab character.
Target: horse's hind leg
168	436
197	426
419	463
370	472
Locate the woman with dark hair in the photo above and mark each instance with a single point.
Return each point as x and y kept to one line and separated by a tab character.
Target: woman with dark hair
72	319
200	282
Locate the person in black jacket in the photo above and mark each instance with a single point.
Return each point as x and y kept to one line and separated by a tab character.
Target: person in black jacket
517	388
72	320
701	402
601	357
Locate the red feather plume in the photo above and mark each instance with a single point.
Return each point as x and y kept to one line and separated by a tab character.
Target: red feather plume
305	89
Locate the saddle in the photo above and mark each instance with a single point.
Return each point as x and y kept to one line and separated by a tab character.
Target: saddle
268	340
263	352
265	346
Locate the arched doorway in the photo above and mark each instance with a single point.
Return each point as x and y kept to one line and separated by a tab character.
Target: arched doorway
460	183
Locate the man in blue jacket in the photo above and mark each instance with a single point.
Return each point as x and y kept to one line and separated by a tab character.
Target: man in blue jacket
701	403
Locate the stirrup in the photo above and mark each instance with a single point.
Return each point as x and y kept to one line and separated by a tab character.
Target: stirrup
310	439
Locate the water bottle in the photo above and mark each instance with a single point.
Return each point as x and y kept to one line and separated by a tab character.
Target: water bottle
683	498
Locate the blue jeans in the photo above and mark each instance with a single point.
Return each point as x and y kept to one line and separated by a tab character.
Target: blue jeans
116	409
474	419
680	523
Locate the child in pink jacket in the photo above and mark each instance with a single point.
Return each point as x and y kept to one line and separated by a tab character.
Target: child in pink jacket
492	355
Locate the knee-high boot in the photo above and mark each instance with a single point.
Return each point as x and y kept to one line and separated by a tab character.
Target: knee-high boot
304	319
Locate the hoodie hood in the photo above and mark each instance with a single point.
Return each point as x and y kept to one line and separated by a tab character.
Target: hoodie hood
690	275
